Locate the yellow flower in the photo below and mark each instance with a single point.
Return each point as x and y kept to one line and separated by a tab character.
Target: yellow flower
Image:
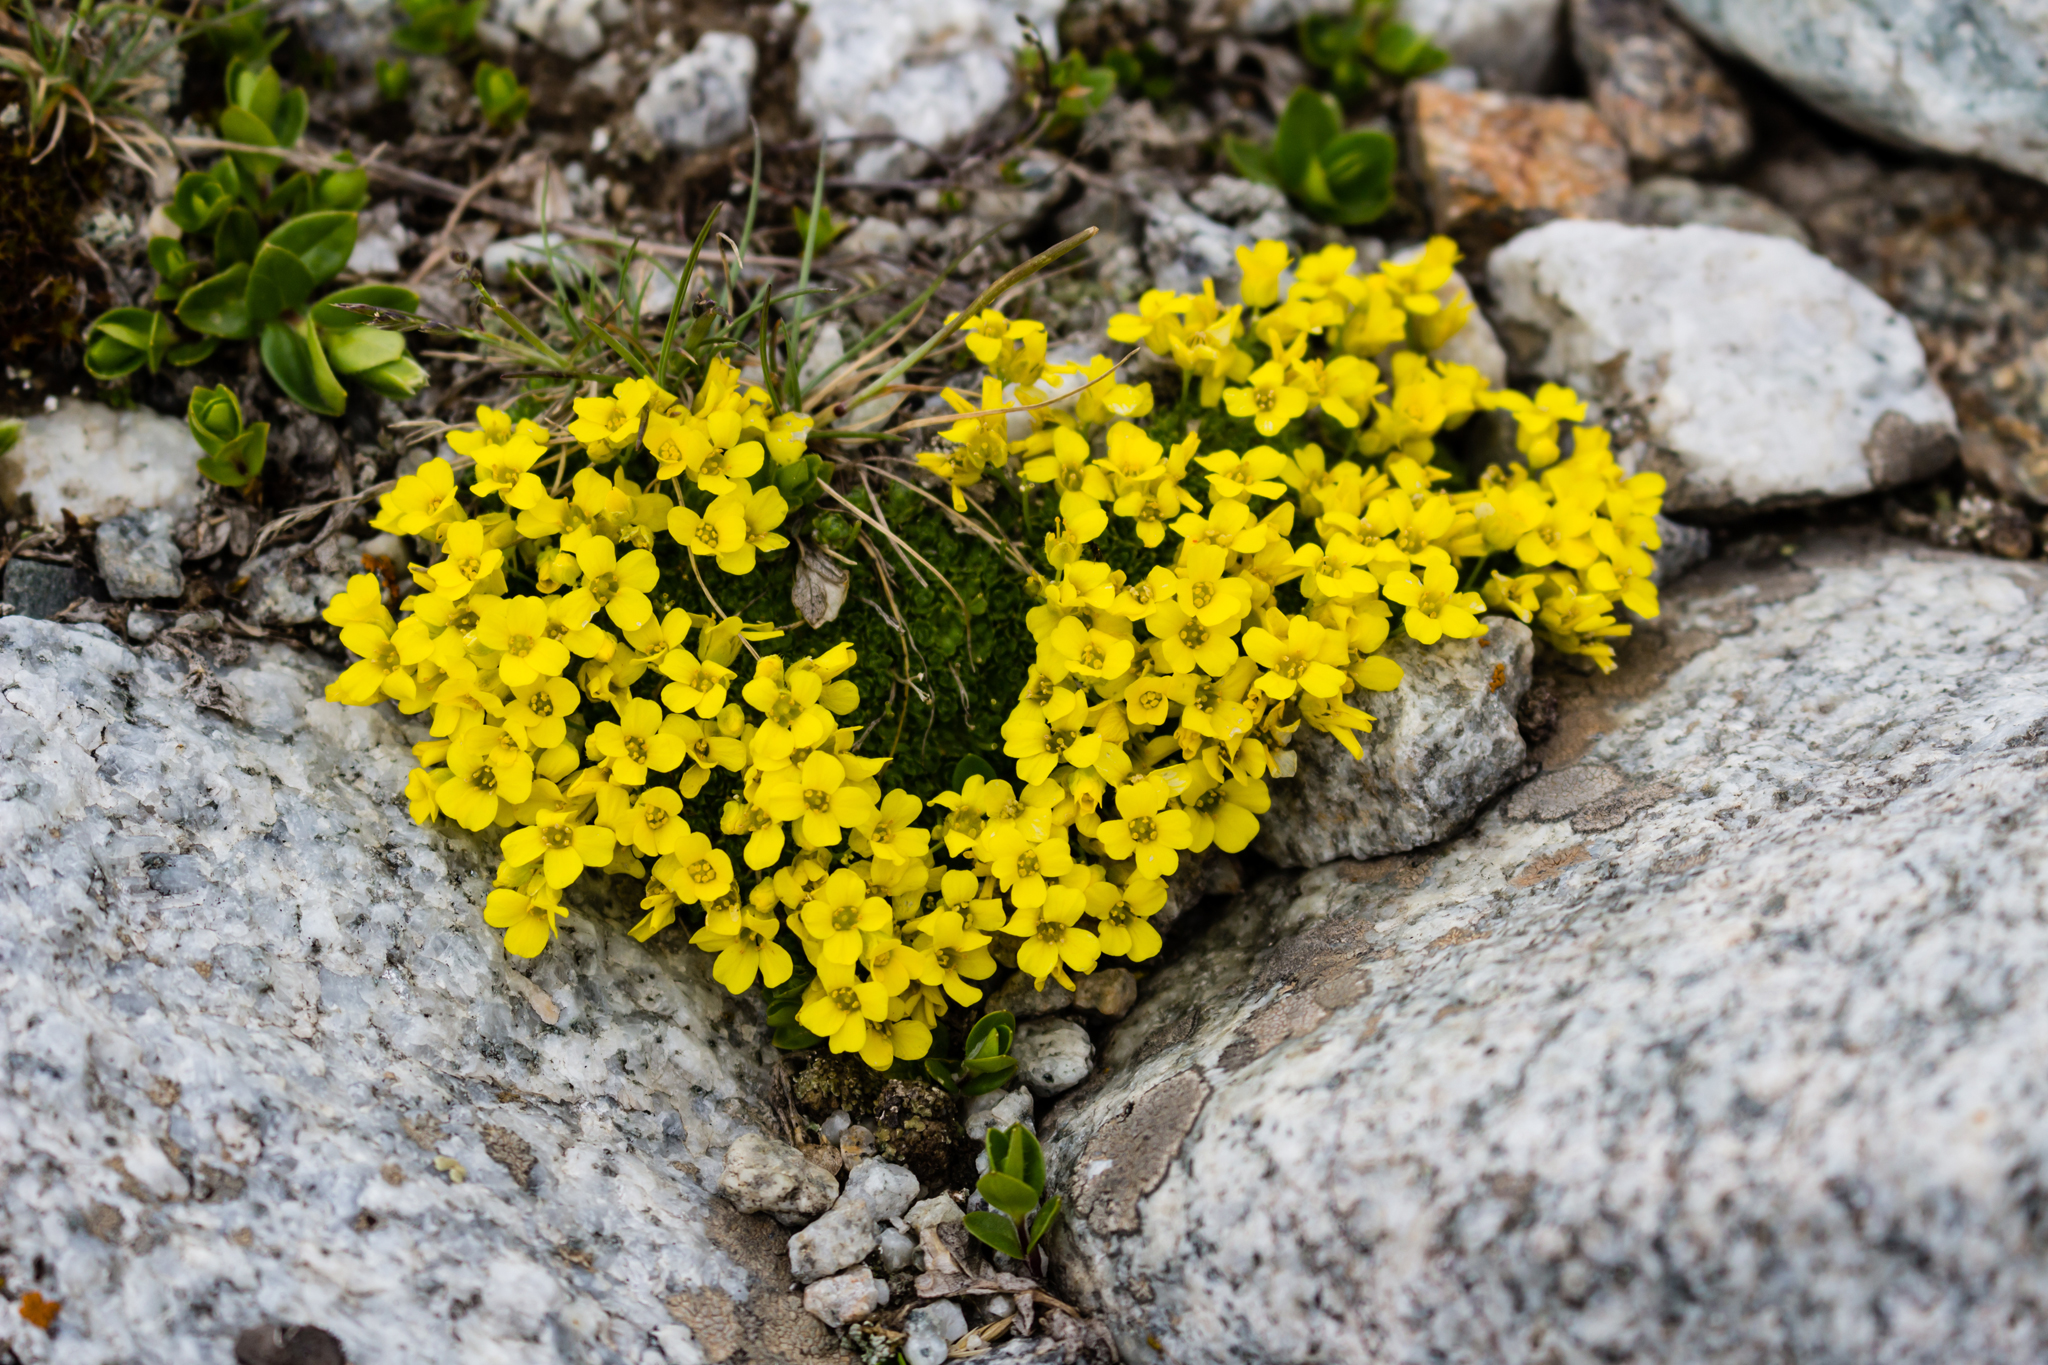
746	946
957	952
817	798
654	825
839	1007
701	874
1156	323
469	565
893	840
489	771
636	743
378	673
1053	938
420	502
1147	831
1223	813
1261	266
562	849
538	713
761	512
517	627
1124	929
1307	658
1027	866
615	584
361	602
1435	606
528	921
1271	400
1183	644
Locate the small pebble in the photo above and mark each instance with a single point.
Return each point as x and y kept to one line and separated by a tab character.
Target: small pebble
1109	993
899	1252
943	1316
835	1127
932	1212
856	1144
997	1306
843	1299
998	1109
924	1348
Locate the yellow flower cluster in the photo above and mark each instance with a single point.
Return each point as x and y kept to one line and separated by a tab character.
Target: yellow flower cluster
572	708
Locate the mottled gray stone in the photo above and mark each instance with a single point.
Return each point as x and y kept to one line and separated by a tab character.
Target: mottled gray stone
929	1213
99	462
1962	76
1744	1076
886	1188
898	1250
1110	992
997	1109
766	1176
253	1028
701	99
848	1298
1021	996
1675	201
1053	1055
1657	88
139	557
291	585
943	1317
1444	743
1756	373
35	587
841	1238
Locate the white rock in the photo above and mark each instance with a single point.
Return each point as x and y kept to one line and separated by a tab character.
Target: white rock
138	557
929	71
766	1176
841	1238
234	968
570	27
942	1317
701	100
1725	1065
1183	247
380	237
1445	743
100	462
1512	44
1963	76
929	1213
291	586
1053	1056
1761	374
897	1249
997	1109
887	1189
924	1346
1228	199
852	1297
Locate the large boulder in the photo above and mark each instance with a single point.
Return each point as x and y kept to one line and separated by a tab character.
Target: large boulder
97	463
1963	76
1755	373
262	1065
1718	1047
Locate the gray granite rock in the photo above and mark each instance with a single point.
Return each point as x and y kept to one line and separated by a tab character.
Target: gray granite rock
1657	88
701	99
139	557
1053	1055
765	1176
1963	76
38	588
1445	744
292	584
262	1063
1753	372
1724	1056
1022	997
886	1188
843	1237
1675	201
847	1298
998	1109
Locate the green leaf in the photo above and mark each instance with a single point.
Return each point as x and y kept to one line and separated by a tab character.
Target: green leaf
353	349
397	379
1326	38
236	239
994	1080
123	340
322	240
344	190
239	462
795	1038
997	1231
198	200
239	125
973	765
1034	1159
219	306
1043	1223
278	284
1400	51
991	1035
288	124
1358	171
1251	161
193	351
1008	1193
214	417
393	80
167	257
291	198
996	1142
300	368
395	297
941	1073
1310	120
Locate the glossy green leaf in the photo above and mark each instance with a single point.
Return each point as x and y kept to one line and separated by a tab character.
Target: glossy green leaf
1251	161
1358	173
1043	1223
396	379
219	306
1401	51
278	284
795	1038
973	765
1310	120
994	1080
288	124
238	463
352	349
123	340
291	198
214	417
943	1074
1008	1193
347	191
193	351
322	240
198	201
167	257
236	239
239	125
992	1229
1033	1157
300	368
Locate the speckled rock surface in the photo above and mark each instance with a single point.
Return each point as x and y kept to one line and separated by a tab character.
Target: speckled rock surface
1962	76
1657	88
261	1061
1727	1056
1748	370
1492	164
1444	745
100	463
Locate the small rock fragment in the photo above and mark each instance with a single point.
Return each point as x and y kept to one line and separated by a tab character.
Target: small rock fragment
1109	992
1053	1055
701	100
924	1346
887	1189
138	558
943	1317
997	1109
291	585
856	1144
1021	998
841	1238
1675	201
99	463
1657	88
1492	164
32	587
848	1298
898	1250
766	1176
929	1213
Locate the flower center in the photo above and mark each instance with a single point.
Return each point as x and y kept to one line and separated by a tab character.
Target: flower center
703	872
1144	829
817	801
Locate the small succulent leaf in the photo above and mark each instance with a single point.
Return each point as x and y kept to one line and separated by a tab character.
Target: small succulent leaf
1252	161
1310	120
218	306
354	349
288	124
239	125
1007	1193
167	257
984	1083
997	1144
197	201
1034	1161
396	379
1359	165
992	1229
123	341
278	284
299	367
291	198
239	462
214	417
941	1073
193	351
347	191
1043	1223
1401	51
973	765
322	240
236	239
